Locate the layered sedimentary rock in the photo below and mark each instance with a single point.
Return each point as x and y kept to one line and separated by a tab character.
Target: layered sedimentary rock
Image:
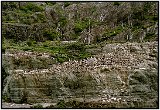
125	74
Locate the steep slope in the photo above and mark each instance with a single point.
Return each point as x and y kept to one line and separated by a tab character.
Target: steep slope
80	54
123	74
89	22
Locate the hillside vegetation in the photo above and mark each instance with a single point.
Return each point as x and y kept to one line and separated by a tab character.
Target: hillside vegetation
37	26
80	54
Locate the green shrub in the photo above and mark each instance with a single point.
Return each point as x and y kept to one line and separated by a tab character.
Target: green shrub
116	3
155	18
27	48
62	21
32	7
50	3
76	46
147	6
73	36
41	17
51	34
149	36
84	24
137	14
110	33
61	59
61	104
151	18
26	21
93	9
6	98
5	5
79	27
3	50
69	51
84	55
9	5
29	43
66	4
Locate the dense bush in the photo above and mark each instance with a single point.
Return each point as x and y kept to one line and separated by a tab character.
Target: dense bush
51	34
76	46
111	33
61	57
67	4
63	21
6	98
138	15
116	21
84	24
50	3
32	7
150	36
80	26
61	104
40	18
116	3
9	5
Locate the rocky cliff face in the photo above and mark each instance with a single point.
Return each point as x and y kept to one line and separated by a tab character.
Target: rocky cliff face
80	54
121	76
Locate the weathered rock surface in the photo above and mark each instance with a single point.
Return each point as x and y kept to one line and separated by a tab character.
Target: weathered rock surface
13	59
13	105
124	74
